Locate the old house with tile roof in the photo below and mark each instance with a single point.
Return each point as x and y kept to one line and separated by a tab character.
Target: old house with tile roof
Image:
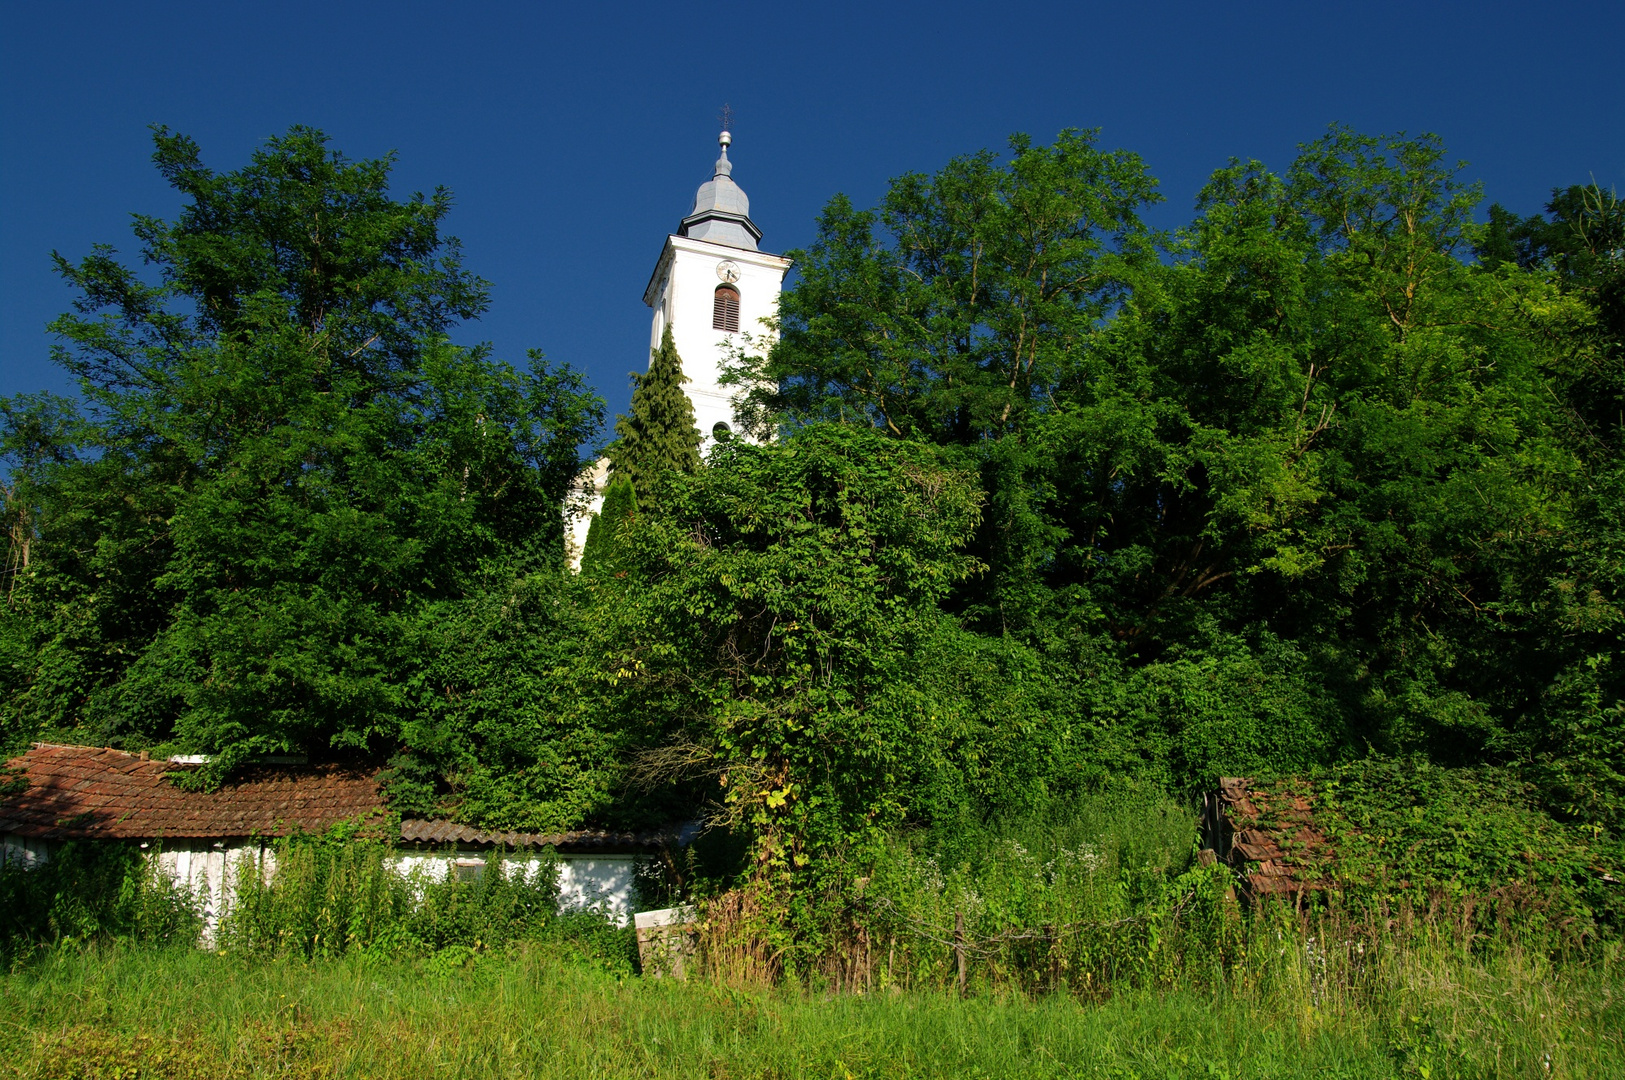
81	793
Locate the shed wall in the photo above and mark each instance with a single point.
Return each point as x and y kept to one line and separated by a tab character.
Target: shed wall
24	849
210	868
585	881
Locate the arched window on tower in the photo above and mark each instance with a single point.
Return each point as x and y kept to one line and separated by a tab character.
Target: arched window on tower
725	309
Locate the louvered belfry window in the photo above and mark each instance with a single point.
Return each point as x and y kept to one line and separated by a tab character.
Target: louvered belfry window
725	309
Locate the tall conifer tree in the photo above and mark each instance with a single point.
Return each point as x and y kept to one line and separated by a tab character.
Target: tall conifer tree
620	507
660	434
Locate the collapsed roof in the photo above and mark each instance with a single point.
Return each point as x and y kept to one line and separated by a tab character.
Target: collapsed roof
1267	834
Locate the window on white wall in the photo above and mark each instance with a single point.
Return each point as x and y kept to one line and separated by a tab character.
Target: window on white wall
725	310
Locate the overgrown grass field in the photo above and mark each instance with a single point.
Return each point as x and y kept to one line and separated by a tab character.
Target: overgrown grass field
539	1011
1086	942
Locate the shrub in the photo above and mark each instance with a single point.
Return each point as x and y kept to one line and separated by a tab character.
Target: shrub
1404	830
313	898
89	891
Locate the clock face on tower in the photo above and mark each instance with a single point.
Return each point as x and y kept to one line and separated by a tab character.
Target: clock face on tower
728	270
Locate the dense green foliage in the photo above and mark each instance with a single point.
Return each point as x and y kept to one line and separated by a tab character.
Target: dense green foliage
1328	483
1409	831
279	471
1314	424
771	614
659	436
93	892
1311	485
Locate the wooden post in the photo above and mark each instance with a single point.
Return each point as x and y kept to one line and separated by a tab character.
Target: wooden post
959	947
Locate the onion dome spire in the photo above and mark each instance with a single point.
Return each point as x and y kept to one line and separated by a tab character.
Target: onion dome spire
721	210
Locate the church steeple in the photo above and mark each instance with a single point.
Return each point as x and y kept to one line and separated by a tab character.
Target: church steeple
721	210
711	287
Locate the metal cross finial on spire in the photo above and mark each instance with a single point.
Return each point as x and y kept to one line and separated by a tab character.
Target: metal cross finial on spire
724	166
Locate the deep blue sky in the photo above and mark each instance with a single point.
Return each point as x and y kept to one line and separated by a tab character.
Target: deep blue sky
573	135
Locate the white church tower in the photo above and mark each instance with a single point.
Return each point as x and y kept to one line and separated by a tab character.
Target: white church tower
711	285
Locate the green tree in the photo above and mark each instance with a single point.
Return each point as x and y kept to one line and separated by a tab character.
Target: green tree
620	507
1576	585
955	310
660	435
278	467
765	637
1311	457
504	726
1348	439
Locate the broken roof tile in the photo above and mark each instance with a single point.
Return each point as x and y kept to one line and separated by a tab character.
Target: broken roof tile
1267	833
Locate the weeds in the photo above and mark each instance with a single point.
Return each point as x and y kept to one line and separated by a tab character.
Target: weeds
1106	893
307	898
534	1011
304	897
91	891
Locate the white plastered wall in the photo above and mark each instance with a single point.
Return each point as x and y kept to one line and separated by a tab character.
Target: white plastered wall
585	881
210	871
683	291
586	500
23	850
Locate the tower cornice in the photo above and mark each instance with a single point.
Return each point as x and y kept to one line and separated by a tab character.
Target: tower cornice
675	243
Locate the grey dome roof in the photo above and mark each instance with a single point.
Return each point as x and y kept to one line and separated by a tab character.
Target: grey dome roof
721	208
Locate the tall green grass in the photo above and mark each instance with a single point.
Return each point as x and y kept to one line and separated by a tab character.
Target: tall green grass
1076	897
119	1011
327	898
1104	893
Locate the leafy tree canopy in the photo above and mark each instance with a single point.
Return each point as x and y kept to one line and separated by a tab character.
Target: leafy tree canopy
958	306
1307	446
764	629
278	464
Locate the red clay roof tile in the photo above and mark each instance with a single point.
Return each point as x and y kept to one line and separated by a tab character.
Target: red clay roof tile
77	792
1268	834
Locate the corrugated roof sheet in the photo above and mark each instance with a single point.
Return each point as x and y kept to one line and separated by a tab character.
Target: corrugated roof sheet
448	832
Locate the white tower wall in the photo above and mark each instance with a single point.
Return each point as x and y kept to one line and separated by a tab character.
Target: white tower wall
683	293
714	245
